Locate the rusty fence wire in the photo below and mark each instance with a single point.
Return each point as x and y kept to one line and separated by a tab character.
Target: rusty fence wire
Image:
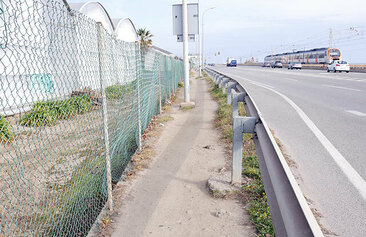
74	102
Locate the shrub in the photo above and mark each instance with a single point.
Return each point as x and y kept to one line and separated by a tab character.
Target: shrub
118	91
47	113
83	104
42	114
6	132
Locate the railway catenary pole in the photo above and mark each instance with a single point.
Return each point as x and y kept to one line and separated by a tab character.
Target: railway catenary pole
330	38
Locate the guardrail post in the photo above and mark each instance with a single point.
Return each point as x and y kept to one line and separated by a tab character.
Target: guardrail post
216	78
224	82
220	79
240	125
237	97
231	86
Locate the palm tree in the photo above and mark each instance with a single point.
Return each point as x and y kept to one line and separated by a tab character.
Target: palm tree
145	39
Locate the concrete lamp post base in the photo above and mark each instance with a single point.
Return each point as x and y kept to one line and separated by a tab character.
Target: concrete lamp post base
187	105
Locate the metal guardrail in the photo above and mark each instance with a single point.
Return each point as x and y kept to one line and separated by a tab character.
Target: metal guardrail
291	215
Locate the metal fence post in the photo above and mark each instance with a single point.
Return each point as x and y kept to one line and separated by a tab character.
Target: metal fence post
105	119
160	109
166	78
138	95
175	75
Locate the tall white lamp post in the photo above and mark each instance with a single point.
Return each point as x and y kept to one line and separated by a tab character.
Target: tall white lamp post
201	46
187	98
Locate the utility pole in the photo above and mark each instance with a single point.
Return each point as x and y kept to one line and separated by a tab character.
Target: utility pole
187	98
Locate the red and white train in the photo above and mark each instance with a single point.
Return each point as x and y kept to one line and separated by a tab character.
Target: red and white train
312	56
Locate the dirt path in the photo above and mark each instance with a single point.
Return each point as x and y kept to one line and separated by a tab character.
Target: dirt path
171	198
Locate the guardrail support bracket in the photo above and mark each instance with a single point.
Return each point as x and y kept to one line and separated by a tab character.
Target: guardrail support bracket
229	88
240	125
224	83
237	97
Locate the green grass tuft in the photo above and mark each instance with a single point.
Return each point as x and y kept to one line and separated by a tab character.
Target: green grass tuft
6	131
119	91
48	113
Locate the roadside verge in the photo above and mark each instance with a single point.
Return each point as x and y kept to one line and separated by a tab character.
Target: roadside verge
253	188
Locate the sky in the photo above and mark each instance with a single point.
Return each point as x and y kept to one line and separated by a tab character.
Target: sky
247	29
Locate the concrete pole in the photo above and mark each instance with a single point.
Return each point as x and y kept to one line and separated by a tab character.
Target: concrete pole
187	98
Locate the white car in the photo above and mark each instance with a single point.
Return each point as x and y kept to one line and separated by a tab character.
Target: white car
338	65
276	64
294	65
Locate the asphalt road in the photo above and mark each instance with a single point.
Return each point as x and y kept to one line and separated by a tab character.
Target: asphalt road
320	118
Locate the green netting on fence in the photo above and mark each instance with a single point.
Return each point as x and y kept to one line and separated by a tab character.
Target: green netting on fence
55	68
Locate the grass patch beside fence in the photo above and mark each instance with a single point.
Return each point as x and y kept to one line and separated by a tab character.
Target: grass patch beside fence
253	188
48	113
119	91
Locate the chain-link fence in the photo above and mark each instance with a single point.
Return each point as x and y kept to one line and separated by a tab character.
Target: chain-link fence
74	102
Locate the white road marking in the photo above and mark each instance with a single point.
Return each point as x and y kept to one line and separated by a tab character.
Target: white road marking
358	113
353	176
341	87
260	84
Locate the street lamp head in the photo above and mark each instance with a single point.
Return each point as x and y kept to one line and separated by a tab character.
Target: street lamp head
208	9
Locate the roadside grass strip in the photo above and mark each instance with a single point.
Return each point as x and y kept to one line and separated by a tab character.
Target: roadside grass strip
253	188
